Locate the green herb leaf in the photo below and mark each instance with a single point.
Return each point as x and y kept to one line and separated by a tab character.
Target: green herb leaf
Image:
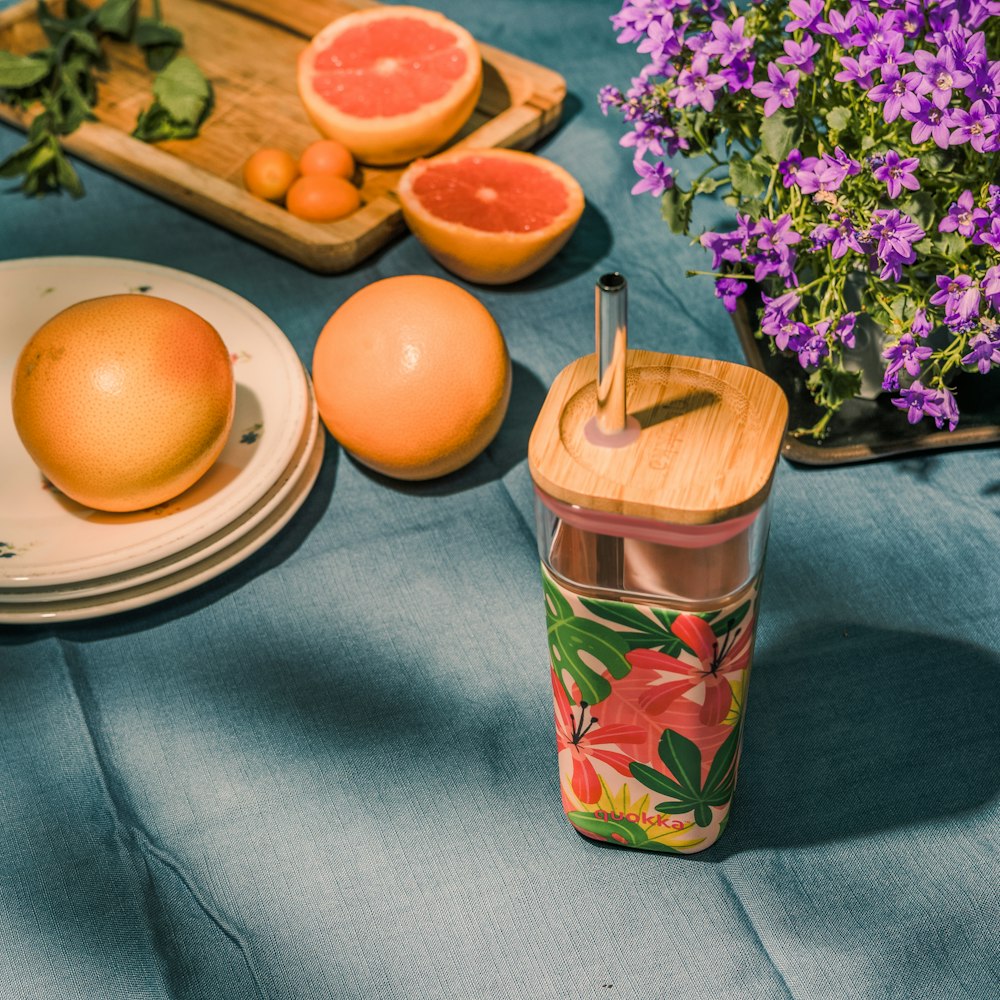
19	72
183	98
159	42
183	91
676	208
117	17
746	177
837	119
919	205
831	387
777	136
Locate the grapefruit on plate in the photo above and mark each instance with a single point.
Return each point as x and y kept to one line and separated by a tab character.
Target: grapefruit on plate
490	215
412	376
124	401
390	83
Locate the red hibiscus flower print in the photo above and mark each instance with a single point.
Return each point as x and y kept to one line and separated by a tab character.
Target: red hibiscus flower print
717	656
579	735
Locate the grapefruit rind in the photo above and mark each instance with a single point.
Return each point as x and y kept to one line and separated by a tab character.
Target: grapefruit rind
489	257
388	140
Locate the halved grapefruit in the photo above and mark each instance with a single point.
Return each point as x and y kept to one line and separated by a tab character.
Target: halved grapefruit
390	83
490	215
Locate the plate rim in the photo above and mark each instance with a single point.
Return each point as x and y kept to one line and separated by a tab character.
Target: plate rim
172	585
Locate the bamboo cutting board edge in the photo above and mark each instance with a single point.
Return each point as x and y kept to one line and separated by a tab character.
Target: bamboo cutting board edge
536	94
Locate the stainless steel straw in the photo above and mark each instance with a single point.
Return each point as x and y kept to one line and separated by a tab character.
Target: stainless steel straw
611	327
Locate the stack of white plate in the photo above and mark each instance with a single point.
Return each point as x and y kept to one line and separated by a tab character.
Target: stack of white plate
60	561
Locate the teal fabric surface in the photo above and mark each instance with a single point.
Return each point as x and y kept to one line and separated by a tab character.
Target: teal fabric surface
330	773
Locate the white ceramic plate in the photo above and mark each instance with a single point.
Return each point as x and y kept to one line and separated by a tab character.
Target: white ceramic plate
178	582
48	540
246	522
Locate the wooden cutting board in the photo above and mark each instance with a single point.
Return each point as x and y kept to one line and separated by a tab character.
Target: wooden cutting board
248	49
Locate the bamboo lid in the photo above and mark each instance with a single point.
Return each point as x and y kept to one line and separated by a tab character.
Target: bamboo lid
710	433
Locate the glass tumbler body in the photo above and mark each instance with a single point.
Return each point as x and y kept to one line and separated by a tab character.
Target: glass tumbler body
650	636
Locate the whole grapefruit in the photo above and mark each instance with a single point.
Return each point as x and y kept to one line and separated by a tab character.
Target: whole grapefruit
412	376
124	401
391	83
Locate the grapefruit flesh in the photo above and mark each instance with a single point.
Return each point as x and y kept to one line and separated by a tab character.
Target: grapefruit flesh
390	83
124	401
491	216
412	376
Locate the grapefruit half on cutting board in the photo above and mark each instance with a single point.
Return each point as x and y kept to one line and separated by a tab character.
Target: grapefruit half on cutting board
390	83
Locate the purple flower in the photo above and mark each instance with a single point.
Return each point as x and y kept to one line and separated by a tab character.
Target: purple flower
974	126
696	85
807	14
777	234
729	290
920	325
906	353
918	401
930	122
661	42
825	174
940	74
728	41
990	236
799	54
895	234
959	295
653	177
723	246
811	347
789	167
844	330
857	70
963	216
985	352
896	92
840	26
635	17
780	89
897	173
948	408
990	286
609	97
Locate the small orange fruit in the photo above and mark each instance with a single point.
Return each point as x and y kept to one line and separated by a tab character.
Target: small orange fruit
124	401
269	173
391	82
412	376
322	198
327	156
490	215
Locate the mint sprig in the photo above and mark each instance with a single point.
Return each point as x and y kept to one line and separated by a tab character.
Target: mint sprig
60	80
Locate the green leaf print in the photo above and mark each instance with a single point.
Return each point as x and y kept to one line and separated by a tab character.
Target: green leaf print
643	632
570	635
685	790
620	830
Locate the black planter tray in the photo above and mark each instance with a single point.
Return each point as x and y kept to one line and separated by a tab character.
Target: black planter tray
867	429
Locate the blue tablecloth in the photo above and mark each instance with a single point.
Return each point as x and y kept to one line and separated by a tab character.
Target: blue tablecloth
331	771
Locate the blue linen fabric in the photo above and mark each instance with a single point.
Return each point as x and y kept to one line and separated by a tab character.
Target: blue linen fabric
330	772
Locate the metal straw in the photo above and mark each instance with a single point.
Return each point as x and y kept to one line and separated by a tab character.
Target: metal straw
611	328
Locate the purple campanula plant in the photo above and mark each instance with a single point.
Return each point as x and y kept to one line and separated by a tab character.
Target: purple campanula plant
851	139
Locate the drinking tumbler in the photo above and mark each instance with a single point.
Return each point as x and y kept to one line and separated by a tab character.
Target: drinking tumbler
652	475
